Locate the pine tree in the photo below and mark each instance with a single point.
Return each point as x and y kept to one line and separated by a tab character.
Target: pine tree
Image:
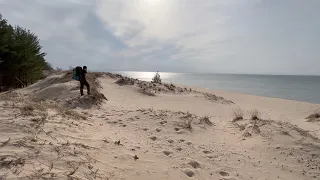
21	56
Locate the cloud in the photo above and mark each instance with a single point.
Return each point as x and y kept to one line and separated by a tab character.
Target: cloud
231	36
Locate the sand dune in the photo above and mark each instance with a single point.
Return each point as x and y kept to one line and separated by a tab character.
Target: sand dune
148	131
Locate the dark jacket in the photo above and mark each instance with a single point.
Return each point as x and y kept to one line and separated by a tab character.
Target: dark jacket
83	75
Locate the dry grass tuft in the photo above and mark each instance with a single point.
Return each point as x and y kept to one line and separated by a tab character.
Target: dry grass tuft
302	132
146	92
27	109
256	129
9	162
170	87
188	115
40	108
214	98
71	113
188	125
95	95
125	81
41	174
255	114
240	126
315	117
9	96
237	114
74	168
206	120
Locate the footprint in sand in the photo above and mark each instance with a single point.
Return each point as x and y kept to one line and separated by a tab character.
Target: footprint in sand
194	164
153	138
163	122
223	173
181	132
167	153
189	172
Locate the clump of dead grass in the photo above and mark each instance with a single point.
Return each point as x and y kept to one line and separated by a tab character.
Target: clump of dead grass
188	125
147	92
74	114
34	108
187	115
206	120
67	112
302	132
314	117
9	96
40	108
214	98
27	109
11	161
95	95
42	174
125	81
255	114
237	114
170	87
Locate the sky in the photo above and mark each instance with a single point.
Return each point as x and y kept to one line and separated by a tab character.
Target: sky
211	36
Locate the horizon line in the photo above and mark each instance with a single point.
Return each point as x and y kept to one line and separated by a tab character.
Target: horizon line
263	74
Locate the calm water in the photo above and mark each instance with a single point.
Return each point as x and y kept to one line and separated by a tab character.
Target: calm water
300	88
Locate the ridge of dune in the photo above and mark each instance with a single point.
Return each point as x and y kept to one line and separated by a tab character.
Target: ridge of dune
131	129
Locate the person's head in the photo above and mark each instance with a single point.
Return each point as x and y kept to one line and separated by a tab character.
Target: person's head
84	67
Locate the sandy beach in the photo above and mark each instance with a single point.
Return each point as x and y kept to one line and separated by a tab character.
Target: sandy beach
132	130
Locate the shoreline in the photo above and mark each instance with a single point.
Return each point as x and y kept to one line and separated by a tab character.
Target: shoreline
242	93
225	91
290	87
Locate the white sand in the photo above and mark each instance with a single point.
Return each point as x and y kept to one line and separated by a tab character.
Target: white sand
155	129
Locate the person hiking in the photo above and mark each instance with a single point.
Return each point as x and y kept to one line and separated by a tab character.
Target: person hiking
83	81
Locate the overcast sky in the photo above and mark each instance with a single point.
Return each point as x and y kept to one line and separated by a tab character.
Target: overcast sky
219	36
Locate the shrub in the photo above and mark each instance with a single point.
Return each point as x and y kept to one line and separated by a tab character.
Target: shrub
156	78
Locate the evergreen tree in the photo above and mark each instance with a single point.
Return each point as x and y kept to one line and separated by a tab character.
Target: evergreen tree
22	60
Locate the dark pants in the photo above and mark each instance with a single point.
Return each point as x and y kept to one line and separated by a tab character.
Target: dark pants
84	83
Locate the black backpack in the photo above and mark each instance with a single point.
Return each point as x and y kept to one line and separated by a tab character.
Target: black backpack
77	73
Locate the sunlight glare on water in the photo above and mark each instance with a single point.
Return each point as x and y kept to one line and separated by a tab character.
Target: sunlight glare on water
147	76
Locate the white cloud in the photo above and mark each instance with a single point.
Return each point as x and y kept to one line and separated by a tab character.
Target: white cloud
174	35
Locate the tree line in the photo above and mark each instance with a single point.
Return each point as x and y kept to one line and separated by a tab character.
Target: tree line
21	58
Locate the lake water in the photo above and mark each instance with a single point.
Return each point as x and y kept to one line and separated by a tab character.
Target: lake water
300	88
